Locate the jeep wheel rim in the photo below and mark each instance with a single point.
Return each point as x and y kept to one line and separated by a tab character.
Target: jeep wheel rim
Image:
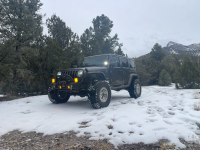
61	96
103	94
138	89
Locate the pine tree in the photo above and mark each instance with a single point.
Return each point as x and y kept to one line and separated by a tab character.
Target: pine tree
73	51
20	25
119	52
44	63
143	75
157	52
20	22
164	78
57	29
97	39
187	75
68	40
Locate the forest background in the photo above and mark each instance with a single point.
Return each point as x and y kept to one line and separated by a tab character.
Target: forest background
29	59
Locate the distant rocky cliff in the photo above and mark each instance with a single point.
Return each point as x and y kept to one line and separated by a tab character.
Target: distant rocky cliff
181	50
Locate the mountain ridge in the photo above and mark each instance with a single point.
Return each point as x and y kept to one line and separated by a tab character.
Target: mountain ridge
180	49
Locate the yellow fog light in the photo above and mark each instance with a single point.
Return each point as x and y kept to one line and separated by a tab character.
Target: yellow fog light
75	80
59	87
68	87
53	80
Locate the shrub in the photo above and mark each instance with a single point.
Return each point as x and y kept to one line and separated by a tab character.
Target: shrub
197	106
196	95
164	78
187	75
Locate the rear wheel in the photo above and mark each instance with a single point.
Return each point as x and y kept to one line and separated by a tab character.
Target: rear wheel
99	95
57	97
135	89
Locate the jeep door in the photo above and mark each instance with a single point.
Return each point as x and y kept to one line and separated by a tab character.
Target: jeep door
115	71
125	70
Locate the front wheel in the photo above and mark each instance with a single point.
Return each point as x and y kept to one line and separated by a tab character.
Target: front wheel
99	95
57	97
135	89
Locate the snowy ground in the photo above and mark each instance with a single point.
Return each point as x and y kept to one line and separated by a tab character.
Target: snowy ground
1	95
160	113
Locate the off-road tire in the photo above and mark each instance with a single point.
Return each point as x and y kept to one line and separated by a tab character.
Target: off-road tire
54	97
100	88
135	89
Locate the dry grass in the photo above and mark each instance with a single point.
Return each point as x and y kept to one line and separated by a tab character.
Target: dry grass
196	106
101	146
196	95
166	146
110	127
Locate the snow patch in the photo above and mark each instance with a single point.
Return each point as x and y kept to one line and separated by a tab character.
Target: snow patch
160	113
173	52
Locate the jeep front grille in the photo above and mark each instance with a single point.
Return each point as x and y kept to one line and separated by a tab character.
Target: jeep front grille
73	74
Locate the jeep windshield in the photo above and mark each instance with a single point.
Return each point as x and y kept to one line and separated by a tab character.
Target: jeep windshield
99	61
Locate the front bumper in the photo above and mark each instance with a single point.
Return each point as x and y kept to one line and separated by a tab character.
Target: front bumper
68	87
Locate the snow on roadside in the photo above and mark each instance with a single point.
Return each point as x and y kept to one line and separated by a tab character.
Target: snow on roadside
160	113
1	95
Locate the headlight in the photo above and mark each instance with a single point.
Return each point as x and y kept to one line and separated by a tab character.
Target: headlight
59	73
105	63
80	73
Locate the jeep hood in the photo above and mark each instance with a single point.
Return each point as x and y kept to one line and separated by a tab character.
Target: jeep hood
87	69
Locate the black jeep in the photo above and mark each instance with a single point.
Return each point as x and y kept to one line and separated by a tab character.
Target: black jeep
96	77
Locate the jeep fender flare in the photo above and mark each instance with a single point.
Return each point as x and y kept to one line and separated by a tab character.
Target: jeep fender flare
99	75
131	78
92	77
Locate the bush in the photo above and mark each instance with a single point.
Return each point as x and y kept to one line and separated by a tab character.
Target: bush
187	75
164	78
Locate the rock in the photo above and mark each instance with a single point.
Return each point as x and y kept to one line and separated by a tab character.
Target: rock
28	140
10	142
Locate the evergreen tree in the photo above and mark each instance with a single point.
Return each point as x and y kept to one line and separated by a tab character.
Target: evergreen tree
73	51
20	22
169	64
68	40
119	52
157	52
97	39
57	29
44	63
143	75
89	44
187	75
20	25
164	78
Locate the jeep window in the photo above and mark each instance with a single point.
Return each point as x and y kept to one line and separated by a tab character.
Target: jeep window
132	64
114	62
99	61
124	62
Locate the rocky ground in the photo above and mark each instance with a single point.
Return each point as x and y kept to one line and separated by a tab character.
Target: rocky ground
17	140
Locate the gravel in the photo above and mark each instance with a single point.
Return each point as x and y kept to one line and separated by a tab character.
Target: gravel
17	140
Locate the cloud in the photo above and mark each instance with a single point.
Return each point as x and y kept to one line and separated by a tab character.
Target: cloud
139	23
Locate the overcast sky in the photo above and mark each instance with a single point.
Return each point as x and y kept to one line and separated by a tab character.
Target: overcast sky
139	23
